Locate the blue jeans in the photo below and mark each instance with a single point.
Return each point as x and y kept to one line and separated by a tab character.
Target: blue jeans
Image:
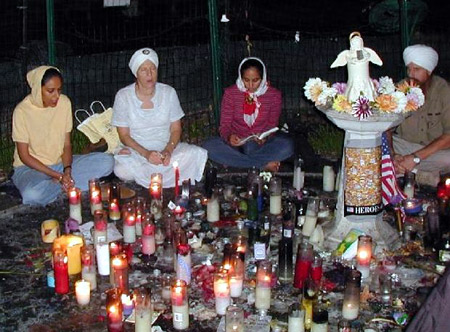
277	148
37	188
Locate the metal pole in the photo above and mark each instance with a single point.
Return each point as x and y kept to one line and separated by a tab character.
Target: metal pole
24	46
216	59
51	32
404	29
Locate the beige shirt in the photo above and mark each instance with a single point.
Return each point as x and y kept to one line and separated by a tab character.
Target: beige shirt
432	119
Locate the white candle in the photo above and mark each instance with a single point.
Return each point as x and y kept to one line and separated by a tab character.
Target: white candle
275	204
213	210
83	292
99	236
350	310
409	191
143	321
183	267
262	298
148	244
296	323
89	275
322	327
299	178
75	212
310	224
364	269
165	293
180	316
102	250
129	233
236	286
221	304
222	292
328	178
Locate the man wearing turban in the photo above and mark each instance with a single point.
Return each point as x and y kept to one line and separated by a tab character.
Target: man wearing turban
422	141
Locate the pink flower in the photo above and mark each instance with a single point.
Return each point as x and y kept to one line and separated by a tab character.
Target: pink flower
340	87
361	108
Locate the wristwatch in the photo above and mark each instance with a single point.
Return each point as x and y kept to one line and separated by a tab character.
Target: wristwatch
416	159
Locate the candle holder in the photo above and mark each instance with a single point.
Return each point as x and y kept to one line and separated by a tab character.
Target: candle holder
364	255
120	268
328	179
305	256
71	244
296	318
95	195
310	292
114	310
129	224
183	263
156	191
433	224
177	178
143	302
263	287
236	274
100	226
319	319
222	291
61	272
148	236
412	206
127	304
156	209
75	204
88	270
252	206
103	263
114	209
234	319
317	269
409	185
385	287
275	187
50	230
213	208
350	306
166	284
140	210
311	216
115	248
285	252
83	292
180	305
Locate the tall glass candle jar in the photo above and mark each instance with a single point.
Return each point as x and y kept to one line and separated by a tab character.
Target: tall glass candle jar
156	186
364	255
75	204
275	195
311	216
129	224
166	284
120	268
88	270
61	272
234	319
296	319
410	184
148	236
83	292
143	305
114	310
102	253
319	320
222	291
285	252
114	197
183	264
115	248
156	209
263	286
139	207
100	226
310	292
236	274
210	181
95	195
180	305
316	269
328	178
71	244
252	206
305	257
213	208
350	306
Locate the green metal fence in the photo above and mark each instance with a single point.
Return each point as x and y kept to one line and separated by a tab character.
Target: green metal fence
199	54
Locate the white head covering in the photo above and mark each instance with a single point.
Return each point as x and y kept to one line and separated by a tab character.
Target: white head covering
140	56
262	87
422	55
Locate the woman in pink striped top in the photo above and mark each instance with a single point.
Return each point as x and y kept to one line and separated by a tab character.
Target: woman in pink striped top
250	107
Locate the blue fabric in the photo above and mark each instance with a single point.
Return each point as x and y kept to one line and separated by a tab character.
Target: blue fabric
37	188
277	148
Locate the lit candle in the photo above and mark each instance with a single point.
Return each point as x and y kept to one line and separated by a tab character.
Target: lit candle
180	305
364	255
114	310
156	186
72	245
100	226
236	274
234	319
263	286
127	304
179	212
83	292
129	226
75	204
222	291
213	209
95	195
296	319
114	210
138	221
156	208
350	306
166	285
183	263
143	311
177	178
328	178
412	205
88	271
148	236
115	248
120	267
102	251
61	272
275	195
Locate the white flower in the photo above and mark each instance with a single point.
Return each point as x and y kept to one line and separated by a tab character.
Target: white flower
326	95
313	88
419	94
401	100
386	86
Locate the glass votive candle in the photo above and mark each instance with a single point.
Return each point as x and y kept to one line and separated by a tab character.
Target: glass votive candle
95	195
180	305
296	318
275	187
263	286
350	306
364	255
143	310
311	216
120	267
385	287
166	284
127	304
234	319
114	310
222	291
83	292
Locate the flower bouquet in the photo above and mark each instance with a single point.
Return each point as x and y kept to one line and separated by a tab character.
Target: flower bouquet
390	98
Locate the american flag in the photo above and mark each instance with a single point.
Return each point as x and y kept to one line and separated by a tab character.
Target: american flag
390	191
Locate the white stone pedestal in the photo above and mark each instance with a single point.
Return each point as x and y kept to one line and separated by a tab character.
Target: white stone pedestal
360	134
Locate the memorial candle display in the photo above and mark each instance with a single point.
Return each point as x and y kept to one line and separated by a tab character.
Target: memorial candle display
156	186
328	178
263	286
114	310
177	178
148	236
364	255
61	272
234	319
100	226
102	253
120	267
180	305
311	216
143	310
350	306
88	270
129	224
183	263
75	204
83	292
221	291
95	195
303	264
71	244
275	195
213	209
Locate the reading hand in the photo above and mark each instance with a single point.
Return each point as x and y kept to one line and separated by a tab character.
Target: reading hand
234	140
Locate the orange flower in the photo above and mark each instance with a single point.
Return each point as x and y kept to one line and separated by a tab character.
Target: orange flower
406	84
385	103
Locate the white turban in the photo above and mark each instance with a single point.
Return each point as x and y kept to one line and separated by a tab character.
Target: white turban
140	56
422	55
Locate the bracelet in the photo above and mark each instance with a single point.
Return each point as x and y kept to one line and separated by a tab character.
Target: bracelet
60	178
172	143
66	167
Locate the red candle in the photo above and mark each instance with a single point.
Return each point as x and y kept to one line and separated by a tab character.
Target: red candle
114	210
179	294
100	222
177	178
61	272
120	267
114	310
302	269
115	248
74	196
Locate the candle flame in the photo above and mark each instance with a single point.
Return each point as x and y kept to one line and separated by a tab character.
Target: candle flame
126	299
175	164
447	182
112	309
363	254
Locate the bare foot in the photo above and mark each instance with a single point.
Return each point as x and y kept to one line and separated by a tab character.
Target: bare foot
272	166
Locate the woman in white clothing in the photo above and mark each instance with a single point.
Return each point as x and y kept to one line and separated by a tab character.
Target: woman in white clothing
147	116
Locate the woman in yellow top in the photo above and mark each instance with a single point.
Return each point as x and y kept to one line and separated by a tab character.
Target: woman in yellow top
43	161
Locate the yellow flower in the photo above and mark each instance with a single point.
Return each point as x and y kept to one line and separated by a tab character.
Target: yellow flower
385	103
341	104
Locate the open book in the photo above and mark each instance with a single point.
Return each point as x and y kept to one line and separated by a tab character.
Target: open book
259	136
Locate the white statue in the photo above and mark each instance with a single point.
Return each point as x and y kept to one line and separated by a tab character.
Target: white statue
357	60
